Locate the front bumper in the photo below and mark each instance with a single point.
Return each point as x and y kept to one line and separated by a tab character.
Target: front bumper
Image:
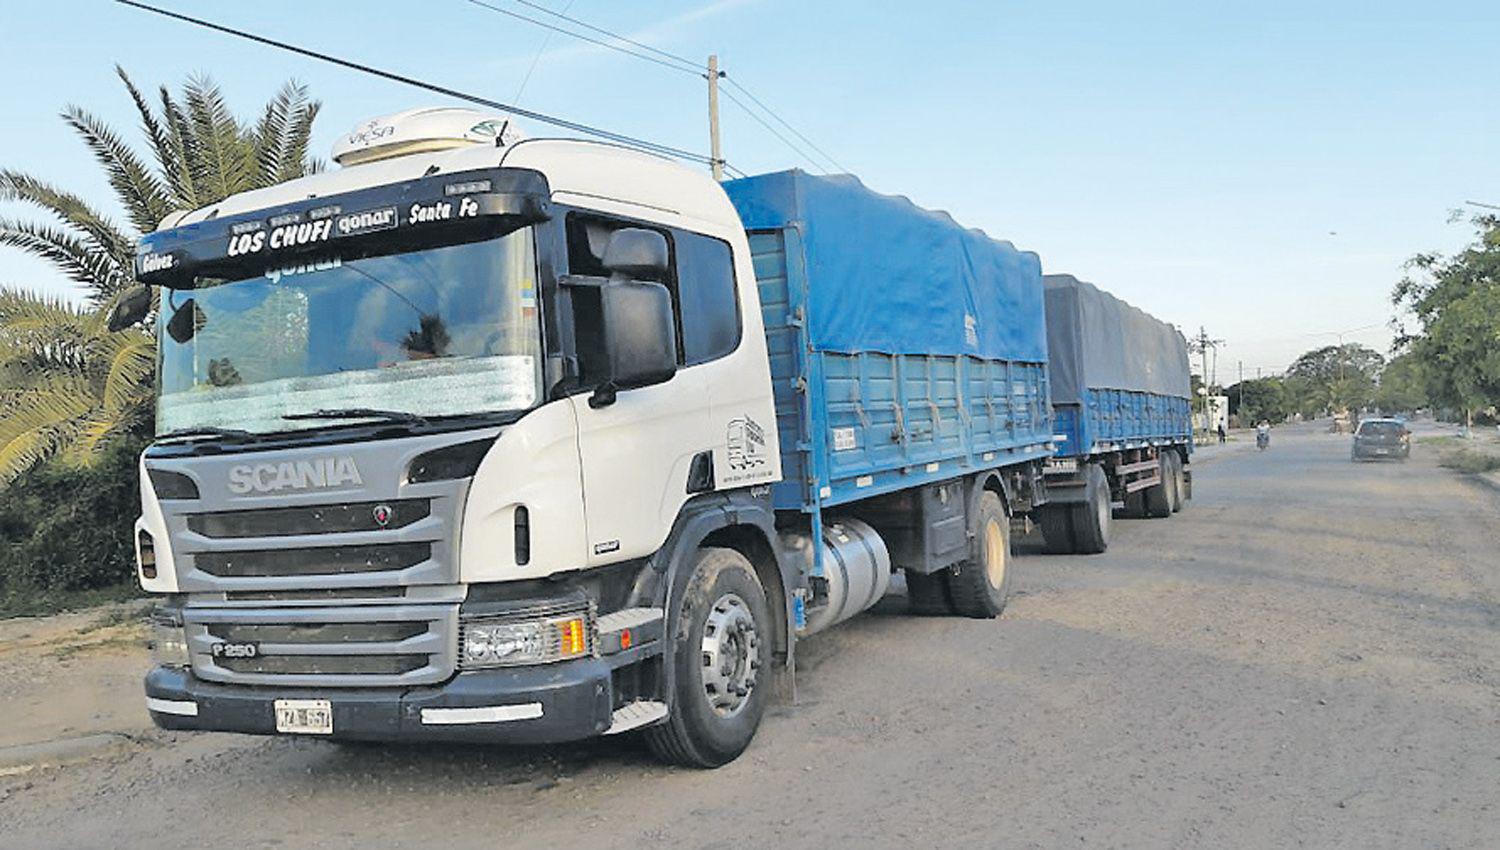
1381	450
548	703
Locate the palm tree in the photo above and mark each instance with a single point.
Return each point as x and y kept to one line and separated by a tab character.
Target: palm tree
69	386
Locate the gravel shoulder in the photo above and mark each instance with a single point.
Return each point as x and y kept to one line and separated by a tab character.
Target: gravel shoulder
1308	656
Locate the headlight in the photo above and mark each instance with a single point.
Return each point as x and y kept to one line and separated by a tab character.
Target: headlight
492	643
169	643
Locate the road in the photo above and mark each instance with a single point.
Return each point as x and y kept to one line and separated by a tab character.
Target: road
1307	657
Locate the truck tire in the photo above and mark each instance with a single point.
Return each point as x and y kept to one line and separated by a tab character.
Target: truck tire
1174	480
1158	501
928	593
721	641
1091	520
980	586
1057	529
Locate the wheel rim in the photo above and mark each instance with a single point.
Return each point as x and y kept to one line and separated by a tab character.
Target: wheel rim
730	655
994	553
1103	510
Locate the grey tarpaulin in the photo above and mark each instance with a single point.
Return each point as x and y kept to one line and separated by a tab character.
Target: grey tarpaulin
1096	341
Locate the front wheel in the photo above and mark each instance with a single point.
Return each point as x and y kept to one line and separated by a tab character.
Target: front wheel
721	651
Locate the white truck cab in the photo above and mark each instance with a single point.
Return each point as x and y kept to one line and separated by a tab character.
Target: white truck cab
443	438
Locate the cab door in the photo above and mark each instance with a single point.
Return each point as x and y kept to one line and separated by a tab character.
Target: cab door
637	452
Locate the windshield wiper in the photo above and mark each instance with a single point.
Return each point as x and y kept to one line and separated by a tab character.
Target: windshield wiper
206	431
360	413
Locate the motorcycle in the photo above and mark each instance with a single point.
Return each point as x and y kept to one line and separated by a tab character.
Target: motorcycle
1263	440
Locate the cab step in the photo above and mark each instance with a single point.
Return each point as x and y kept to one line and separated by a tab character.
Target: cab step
635	715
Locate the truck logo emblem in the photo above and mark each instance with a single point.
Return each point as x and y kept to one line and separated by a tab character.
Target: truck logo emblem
227	649
294	475
382	515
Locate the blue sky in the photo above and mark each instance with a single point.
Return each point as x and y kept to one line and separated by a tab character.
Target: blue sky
1259	169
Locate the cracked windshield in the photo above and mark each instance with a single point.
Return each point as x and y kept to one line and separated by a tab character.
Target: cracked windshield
437	332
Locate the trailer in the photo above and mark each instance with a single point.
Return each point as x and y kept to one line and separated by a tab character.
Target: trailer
1122	417
907	358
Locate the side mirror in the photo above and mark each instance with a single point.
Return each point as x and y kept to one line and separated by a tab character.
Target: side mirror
637	254
132	307
185	321
640	341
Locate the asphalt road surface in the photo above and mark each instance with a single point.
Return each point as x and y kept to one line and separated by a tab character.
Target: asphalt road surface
1308	656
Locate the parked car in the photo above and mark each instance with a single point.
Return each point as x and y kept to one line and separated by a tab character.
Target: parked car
1381	438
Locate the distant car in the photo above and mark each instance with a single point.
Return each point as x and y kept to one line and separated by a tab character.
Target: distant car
1381	438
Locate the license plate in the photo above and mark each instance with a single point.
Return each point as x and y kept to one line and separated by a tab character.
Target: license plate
304	716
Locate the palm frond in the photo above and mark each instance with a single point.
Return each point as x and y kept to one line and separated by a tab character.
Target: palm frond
39	423
89	436
145	198
189	158
131	357
217	135
72	210
79	258
296	162
164	147
269	136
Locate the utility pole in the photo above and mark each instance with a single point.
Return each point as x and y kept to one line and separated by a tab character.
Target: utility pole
714	151
1242	390
1202	344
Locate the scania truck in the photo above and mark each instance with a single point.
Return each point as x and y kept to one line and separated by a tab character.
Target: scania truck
493	439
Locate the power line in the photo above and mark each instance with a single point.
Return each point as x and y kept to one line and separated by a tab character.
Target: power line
588	26
691	69
667	59
609	135
536	60
746	92
769	129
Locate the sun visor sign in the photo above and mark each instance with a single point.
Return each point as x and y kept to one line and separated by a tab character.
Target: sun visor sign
224	247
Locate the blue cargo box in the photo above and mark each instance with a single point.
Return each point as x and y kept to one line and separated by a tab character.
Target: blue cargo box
1119	376
904	348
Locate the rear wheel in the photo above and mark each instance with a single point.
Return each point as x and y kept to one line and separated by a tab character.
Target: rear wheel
721	646
980	585
1091	520
1158	501
928	593
1057	529
1174	480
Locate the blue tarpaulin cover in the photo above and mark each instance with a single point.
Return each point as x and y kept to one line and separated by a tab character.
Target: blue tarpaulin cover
886	275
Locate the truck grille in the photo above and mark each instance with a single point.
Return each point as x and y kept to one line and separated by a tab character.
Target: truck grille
315	632
320	561
327	665
314	519
369	646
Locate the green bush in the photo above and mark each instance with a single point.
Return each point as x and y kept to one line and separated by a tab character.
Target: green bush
65	530
1470	461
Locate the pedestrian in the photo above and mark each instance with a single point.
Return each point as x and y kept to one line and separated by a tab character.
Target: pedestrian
1222	435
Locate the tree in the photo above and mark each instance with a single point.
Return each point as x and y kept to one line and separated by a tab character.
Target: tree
68	386
1263	398
1335	378
1455	302
1403	385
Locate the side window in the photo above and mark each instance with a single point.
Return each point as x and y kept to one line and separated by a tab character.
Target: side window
705	303
709	309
